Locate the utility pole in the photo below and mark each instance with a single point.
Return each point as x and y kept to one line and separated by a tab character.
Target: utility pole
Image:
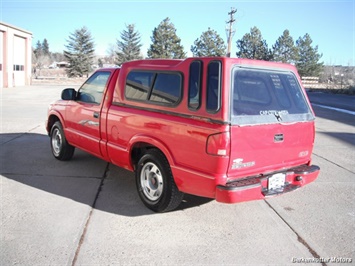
229	30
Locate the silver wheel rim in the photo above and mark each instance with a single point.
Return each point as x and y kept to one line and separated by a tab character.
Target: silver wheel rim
151	181
57	142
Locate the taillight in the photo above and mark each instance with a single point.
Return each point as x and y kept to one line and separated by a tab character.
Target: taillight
218	144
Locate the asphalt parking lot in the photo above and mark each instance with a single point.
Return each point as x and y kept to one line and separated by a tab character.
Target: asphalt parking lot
87	212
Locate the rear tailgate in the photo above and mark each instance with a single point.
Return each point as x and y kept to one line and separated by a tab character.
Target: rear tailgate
268	148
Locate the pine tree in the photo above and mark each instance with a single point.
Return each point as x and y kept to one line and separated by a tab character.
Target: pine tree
165	42
308	57
40	58
38	50
80	53
253	46
284	50
129	46
209	44
45	47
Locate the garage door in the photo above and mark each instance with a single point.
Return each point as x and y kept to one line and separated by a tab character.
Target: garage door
19	61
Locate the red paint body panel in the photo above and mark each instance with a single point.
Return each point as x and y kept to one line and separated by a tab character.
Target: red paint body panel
208	153
256	145
183	143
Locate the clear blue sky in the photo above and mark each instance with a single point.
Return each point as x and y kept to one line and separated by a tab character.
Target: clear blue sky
331	24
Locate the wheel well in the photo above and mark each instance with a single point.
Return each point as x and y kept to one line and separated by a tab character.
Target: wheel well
51	120
138	150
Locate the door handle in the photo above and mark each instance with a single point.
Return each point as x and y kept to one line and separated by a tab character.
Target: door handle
96	115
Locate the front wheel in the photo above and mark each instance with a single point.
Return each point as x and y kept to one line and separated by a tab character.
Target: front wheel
61	149
155	182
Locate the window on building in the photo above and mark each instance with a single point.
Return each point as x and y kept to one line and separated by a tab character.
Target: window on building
19	67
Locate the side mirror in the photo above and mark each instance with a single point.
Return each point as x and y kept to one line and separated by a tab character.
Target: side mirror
69	94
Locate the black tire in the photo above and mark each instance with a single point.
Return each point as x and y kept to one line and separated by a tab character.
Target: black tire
155	182
61	149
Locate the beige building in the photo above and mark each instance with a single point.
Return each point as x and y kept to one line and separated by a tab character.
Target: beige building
15	56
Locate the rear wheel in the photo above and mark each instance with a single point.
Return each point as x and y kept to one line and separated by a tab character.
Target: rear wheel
155	183
61	149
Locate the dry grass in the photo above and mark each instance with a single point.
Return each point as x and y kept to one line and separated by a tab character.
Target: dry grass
55	76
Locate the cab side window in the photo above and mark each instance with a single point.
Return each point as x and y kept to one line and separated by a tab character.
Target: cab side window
138	85
164	88
93	89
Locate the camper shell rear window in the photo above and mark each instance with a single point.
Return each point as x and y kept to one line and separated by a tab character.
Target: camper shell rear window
262	96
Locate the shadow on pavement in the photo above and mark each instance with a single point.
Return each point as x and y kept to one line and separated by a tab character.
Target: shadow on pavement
344	118
348	138
27	158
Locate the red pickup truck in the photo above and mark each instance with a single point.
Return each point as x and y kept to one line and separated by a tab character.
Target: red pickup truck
225	128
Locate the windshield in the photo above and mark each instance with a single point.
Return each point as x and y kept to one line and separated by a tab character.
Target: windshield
267	96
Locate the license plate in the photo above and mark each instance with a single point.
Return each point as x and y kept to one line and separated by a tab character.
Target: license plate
276	182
